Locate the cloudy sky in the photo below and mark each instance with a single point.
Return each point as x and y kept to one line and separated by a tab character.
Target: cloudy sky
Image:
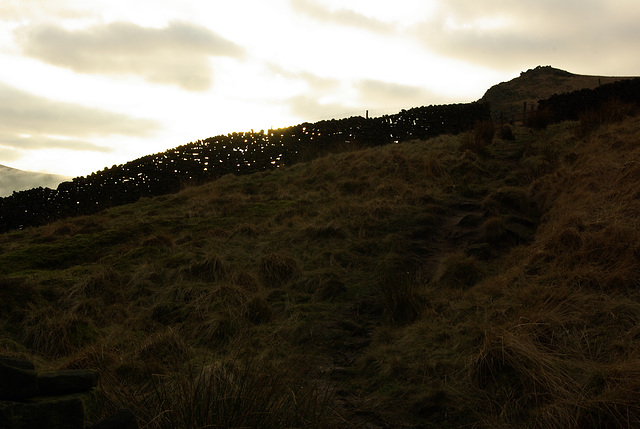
86	84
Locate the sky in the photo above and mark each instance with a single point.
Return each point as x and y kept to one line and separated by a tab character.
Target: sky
86	84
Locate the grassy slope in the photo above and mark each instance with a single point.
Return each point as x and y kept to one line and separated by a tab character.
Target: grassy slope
418	284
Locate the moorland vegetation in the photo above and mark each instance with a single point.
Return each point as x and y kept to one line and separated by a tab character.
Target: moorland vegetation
485	279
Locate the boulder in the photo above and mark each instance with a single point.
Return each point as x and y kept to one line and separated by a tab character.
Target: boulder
51	400
18	379
64	412
17	362
67	381
121	419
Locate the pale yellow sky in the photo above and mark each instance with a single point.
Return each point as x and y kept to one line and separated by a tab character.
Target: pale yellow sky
86	84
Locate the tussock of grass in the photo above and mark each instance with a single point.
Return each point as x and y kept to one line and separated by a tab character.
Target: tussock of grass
401	297
211	268
258	310
15	295
609	112
330	289
520	380
229	394
458	270
53	333
166	347
277	269
479	139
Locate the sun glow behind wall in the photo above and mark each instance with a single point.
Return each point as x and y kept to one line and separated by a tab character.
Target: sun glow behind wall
178	71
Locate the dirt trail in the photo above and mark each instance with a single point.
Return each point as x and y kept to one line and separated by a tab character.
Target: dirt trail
459	227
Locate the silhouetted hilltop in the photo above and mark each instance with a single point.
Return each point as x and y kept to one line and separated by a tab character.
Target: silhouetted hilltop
12	179
508	98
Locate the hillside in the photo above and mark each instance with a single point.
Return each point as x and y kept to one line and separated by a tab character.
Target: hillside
12	180
237	153
249	152
507	98
460	281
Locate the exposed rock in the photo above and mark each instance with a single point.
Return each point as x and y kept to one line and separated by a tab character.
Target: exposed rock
17	362
64	412
18	379
470	220
50	400
67	381
122	419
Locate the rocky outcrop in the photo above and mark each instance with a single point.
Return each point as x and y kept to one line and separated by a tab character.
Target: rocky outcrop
18	379
52	400
121	419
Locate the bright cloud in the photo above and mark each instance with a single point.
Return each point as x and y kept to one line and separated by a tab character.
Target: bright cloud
30	122
340	16
504	34
24	113
177	54
88	84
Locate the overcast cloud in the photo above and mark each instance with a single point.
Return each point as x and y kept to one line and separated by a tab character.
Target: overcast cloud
178	54
86	84
381	94
18	10
31	122
506	34
340	16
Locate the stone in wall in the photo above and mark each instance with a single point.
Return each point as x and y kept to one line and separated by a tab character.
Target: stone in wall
49	400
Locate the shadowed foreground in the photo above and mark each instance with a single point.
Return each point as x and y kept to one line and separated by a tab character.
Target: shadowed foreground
488	279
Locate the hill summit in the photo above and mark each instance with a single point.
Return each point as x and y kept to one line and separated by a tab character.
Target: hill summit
507	98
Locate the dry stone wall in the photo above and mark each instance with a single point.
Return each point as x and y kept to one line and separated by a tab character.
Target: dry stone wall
50	400
238	153
568	106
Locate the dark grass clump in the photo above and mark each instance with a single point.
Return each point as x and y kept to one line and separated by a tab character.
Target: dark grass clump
229	394
258	310
54	333
505	132
277	270
523	383
478	140
166	347
212	268
458	270
401	298
15	294
611	111
330	289
538	119
105	283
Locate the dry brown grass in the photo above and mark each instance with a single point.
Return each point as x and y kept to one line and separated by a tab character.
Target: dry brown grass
226	394
354	273
52	332
611	111
401	297
278	269
458	270
479	139
211	268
